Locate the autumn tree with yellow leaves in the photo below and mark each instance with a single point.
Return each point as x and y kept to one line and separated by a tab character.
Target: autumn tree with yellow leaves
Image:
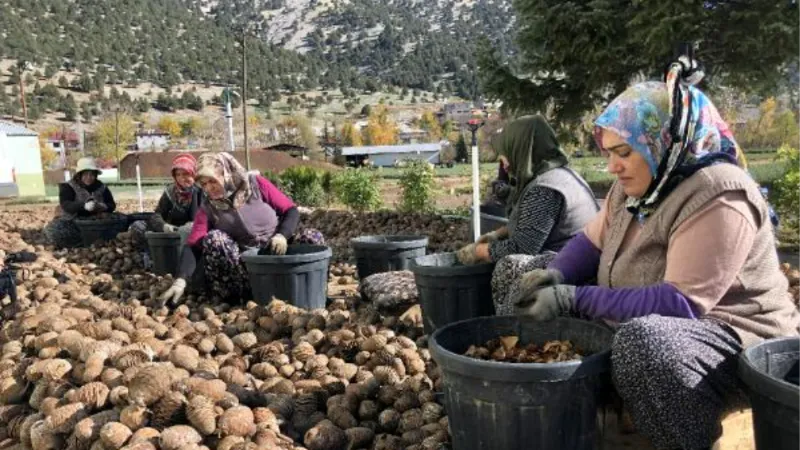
350	135
169	125
429	123
103	145
381	129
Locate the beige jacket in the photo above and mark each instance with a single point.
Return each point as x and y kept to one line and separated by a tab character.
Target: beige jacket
757	305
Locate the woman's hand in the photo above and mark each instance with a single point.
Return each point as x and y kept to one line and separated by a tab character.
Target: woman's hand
169	228
473	254
496	235
537	279
278	244
547	303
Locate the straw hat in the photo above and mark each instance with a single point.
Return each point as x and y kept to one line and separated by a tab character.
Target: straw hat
87	163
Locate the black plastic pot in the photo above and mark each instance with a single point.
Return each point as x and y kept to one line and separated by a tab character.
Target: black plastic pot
165	251
770	371
449	291
133	217
376	254
509	406
299	277
93	230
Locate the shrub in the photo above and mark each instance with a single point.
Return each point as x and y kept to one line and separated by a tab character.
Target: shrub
328	187
786	196
273	177
358	189
417	183
303	184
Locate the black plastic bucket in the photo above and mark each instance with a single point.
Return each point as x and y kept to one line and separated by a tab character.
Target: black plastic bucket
165	251
299	277
377	254
509	406
488	222
770	371
450	291
93	230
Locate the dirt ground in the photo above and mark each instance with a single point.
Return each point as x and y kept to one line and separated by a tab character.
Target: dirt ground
738	431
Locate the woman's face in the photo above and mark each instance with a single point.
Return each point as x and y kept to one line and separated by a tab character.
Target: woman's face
88	177
183	178
630	167
211	187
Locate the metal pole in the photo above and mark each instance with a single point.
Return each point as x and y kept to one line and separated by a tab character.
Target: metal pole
229	117
244	99
139	184
64	156
476	209
116	139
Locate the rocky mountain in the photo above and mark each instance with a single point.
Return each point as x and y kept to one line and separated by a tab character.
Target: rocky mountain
294	44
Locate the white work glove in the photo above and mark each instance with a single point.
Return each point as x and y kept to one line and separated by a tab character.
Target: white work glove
90	205
168	228
174	293
278	244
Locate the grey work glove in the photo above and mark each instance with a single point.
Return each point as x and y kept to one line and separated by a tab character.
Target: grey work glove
175	292
547	303
492	236
537	279
467	255
278	244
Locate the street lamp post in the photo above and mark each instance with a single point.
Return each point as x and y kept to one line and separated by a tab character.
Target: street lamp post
474	125
244	98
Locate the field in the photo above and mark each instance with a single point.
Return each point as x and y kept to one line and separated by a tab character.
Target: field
454	186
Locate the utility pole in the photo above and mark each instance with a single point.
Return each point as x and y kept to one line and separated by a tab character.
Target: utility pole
116	138
244	96
228	93
474	125
65	156
21	72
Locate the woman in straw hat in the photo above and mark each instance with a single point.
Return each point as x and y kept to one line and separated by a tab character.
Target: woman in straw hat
83	196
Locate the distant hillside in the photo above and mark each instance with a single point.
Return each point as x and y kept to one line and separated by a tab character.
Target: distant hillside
303	45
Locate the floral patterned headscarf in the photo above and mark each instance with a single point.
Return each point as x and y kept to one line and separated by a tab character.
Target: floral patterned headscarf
676	138
228	172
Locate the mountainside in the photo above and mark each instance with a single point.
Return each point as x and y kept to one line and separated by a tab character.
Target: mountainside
296	44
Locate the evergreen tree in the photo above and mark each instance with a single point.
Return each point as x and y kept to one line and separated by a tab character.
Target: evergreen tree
462	152
69	108
743	44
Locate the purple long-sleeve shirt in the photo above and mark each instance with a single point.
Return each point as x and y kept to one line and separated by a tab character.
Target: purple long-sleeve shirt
578	262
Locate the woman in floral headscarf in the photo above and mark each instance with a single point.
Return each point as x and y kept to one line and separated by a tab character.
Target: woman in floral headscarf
177	206
685	262
240	210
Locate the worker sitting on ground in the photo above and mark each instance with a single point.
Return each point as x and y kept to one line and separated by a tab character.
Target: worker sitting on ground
548	204
240	210
84	196
177	206
684	258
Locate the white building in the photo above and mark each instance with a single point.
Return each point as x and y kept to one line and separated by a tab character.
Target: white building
151	140
20	162
387	155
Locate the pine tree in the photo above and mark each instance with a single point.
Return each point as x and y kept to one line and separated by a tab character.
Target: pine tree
462	153
573	70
